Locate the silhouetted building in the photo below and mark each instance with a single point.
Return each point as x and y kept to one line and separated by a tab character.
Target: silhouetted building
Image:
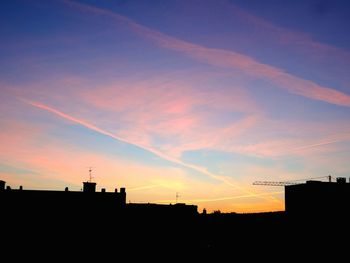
321	199
86	202
163	210
59	202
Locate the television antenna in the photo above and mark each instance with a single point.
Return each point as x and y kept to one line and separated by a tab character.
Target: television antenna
177	197
90	174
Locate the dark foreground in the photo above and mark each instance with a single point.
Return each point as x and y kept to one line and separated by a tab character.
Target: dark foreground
136	234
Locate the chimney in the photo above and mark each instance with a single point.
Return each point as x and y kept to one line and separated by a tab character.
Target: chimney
89	187
122	195
2	185
103	190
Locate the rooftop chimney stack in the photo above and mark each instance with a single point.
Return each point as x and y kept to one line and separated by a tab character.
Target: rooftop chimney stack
123	195
89	187
2	185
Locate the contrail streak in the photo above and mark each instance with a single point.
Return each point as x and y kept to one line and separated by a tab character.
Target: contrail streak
149	149
326	142
220	198
143	187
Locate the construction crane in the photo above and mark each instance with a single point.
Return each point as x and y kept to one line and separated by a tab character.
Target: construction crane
291	182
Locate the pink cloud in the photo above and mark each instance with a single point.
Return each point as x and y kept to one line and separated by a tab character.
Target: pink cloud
173	115
147	109
229	59
269	138
56	161
223	179
234	129
16	137
50	159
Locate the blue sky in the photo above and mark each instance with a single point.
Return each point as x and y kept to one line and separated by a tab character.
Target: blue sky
196	97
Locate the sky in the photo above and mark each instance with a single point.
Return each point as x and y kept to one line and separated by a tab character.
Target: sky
195	99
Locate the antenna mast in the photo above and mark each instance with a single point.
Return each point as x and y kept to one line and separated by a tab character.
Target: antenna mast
90	174
177	197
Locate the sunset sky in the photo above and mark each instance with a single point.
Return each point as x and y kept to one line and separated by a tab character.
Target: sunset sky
195	97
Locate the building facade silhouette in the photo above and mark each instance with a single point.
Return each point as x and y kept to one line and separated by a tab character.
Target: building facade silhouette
85	202
318	199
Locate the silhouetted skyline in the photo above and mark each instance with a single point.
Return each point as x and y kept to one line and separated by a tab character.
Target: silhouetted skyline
183	101
313	198
317	212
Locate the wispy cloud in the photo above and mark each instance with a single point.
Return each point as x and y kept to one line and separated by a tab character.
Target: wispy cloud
202	170
228	59
175	116
293	146
330	139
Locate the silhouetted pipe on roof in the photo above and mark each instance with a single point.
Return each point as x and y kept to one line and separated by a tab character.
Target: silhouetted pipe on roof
2	185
